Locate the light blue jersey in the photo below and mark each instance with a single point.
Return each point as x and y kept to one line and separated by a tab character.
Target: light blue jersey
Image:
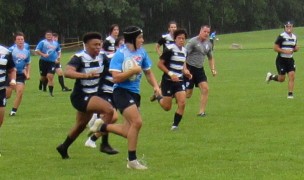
26	46
52	48
21	58
142	59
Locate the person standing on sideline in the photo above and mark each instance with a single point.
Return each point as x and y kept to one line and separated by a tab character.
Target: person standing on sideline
58	68
49	51
109	42
198	48
285	45
22	58
86	67
166	39
212	38
126	92
172	63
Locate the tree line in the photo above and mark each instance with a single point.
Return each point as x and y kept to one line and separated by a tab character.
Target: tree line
72	18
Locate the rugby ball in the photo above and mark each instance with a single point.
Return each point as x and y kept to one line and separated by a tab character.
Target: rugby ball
127	65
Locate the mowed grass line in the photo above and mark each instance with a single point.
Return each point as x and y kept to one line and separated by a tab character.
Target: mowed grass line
252	131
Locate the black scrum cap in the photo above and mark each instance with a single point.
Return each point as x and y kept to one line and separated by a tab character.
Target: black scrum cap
131	33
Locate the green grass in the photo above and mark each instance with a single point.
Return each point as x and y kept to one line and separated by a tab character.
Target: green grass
252	131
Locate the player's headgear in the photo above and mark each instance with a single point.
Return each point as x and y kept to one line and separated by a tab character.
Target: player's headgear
131	33
288	23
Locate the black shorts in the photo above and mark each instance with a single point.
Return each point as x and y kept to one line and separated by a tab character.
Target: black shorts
46	67
108	97
20	78
169	88
57	65
285	65
2	97
198	76
124	98
80	101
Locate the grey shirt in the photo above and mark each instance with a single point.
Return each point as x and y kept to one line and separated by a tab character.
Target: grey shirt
197	51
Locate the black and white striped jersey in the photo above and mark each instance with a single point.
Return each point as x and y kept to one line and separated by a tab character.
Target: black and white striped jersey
286	41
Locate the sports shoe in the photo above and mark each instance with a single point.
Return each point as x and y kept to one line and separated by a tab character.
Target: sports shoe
135	164
63	152
268	75
106	148
65	89
154	97
290	95
92	120
174	128
201	114
90	143
12	113
96	126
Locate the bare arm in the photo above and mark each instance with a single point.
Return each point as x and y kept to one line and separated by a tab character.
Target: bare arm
70	72
161	66
212	65
157	48
280	50
152	81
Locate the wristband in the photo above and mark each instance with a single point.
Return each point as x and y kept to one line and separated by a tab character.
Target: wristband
13	82
170	73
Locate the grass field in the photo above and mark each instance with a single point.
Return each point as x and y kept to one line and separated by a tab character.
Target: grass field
251	131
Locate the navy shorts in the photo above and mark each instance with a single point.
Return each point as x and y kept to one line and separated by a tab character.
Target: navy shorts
108	97
169	88
123	98
57	65
80	101
20	78
198	76
285	65
2	97
46	67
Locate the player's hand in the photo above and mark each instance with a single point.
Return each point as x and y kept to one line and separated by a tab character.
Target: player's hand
213	71
187	74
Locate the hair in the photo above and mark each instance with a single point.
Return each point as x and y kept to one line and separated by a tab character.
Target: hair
48	31
19	33
207	26
112	27
171	22
91	35
179	32
118	40
55	34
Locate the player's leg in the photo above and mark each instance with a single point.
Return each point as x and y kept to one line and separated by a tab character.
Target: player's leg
180	97
82	118
59	72
204	89
19	94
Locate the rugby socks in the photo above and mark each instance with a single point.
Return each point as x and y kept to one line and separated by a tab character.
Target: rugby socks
103	128
274	77
14	110
104	139
44	84
177	119
132	155
61	82
93	138
68	141
51	88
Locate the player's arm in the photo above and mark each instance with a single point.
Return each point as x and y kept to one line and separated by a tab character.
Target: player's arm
161	65
27	71
212	65
152	81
